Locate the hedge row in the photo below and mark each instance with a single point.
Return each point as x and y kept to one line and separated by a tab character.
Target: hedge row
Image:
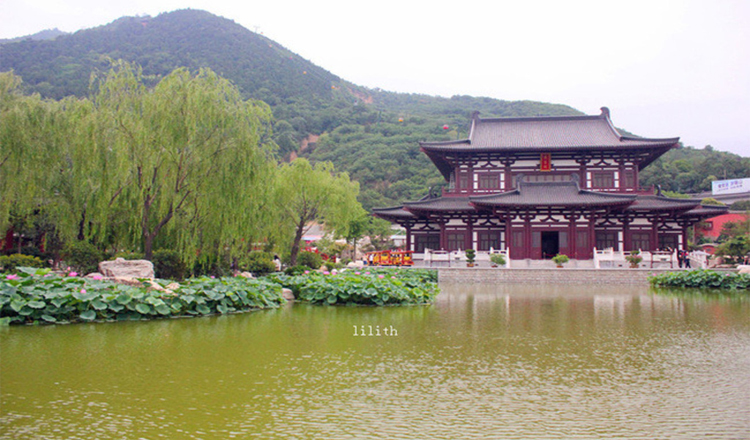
702	279
368	287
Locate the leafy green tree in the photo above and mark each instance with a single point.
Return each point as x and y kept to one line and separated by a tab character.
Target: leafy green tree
188	160
24	148
742	205
736	229
736	247
358	228
305	193
380	232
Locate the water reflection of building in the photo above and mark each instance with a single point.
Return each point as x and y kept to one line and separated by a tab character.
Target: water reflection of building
547	185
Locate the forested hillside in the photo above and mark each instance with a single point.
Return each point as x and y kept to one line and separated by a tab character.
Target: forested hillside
370	133
186	38
690	170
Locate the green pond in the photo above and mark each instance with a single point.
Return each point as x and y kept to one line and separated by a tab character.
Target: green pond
512	361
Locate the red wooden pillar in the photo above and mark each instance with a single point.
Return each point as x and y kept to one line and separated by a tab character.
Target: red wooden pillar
443	238
626	242
685	227
527	239
508	237
572	245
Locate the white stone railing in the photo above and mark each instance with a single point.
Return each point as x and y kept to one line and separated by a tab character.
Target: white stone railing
609	257
456	257
698	259
435	256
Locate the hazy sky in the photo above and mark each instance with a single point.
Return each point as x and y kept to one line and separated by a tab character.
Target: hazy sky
664	68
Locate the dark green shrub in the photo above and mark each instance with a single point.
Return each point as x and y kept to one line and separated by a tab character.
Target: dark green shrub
82	257
33	251
128	255
213	265
705	279
379	287
258	263
296	270
168	264
330	265
310	259
498	259
9	263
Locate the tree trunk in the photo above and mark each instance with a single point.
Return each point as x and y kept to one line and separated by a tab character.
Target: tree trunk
297	240
148	245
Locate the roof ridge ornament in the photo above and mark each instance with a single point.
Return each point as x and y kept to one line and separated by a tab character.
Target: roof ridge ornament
605	112
474	121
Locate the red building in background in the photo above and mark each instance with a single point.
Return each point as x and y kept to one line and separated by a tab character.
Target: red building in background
542	186
711	228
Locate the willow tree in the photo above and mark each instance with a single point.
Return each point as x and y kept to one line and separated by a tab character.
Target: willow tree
306	193
24	148
187	160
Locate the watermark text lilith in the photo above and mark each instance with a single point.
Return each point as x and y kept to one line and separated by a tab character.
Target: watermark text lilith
370	330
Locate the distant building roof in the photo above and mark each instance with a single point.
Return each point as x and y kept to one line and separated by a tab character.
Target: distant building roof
397	212
546	134
661	203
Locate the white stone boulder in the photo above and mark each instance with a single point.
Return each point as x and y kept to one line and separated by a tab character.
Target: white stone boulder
121	268
287	294
743	269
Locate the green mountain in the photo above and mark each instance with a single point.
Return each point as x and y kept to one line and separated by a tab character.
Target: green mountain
185	38
47	34
370	133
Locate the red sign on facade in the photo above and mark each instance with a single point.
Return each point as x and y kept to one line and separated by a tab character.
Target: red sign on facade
545	162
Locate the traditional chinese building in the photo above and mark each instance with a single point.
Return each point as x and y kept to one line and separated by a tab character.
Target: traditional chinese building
546	185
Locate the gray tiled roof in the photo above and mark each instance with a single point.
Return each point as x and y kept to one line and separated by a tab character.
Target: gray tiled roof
707	211
395	212
661	203
563	194
441	204
546	133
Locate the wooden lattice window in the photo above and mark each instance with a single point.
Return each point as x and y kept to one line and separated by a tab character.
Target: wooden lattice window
489	181
641	240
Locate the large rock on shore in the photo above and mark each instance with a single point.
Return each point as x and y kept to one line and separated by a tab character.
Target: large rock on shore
122	268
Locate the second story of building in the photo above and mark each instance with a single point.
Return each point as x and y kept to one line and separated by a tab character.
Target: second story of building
501	151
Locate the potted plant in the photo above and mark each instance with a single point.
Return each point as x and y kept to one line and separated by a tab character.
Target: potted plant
634	259
497	260
470	254
560	259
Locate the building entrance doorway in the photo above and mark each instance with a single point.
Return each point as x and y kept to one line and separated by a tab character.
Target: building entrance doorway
550	244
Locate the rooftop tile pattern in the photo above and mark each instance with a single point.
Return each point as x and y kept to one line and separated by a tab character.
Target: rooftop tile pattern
546	133
566	194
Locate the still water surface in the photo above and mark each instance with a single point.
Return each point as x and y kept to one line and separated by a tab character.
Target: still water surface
537	362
